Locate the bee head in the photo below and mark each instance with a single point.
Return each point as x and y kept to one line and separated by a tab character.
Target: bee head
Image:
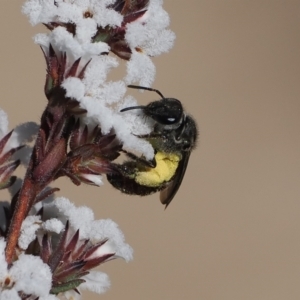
167	113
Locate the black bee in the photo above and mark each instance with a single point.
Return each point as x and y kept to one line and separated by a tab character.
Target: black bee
173	138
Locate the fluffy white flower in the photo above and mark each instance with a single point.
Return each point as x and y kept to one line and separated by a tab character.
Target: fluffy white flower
49	297
96	282
140	69
31	226
28	274
87	32
70	295
31	275
79	44
149	33
82	218
145	35
53	225
3	264
45	11
96	179
10	294
28	231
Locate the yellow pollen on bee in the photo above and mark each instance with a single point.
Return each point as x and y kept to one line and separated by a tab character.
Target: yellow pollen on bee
166	166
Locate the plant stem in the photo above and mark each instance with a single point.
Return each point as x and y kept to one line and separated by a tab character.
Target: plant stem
26	197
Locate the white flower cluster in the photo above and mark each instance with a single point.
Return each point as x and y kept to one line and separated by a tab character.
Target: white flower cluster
144	34
31	276
103	100
28	275
82	218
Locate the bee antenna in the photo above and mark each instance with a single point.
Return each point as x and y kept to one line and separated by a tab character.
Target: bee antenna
132	107
147	89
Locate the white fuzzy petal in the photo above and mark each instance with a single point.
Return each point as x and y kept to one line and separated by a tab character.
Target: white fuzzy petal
31	275
74	88
70	295
141	69
96	282
3	264
96	179
53	225
11	294
102	229
49	297
28	231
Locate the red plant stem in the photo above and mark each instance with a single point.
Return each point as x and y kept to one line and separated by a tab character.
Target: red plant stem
26	197
41	171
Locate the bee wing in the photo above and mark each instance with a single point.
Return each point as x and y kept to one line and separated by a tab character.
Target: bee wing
167	194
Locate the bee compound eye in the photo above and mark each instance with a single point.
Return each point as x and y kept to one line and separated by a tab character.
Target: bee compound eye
167	111
167	120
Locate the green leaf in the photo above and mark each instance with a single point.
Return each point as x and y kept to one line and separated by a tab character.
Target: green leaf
67	286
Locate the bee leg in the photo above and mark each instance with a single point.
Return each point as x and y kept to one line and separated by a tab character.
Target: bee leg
127	169
152	135
149	163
